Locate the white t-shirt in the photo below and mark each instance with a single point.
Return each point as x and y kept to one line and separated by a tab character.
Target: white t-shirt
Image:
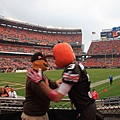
12	94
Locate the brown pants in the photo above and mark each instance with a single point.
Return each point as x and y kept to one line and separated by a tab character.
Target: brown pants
89	113
26	117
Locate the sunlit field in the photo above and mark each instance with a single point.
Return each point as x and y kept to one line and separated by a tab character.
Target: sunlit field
17	80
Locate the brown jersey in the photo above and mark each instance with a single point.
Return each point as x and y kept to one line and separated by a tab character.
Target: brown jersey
76	75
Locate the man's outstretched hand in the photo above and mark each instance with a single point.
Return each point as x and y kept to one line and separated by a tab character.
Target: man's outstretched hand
34	76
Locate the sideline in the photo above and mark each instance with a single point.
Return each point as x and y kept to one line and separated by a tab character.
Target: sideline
103	81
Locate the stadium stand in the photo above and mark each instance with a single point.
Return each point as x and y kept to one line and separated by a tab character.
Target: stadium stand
19	40
103	54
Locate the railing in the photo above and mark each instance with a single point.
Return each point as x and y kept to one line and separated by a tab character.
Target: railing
105	105
11	104
109	105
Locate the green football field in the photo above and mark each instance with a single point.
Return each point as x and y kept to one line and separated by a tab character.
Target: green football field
17	80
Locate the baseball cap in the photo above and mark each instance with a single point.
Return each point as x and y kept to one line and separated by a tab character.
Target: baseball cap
37	56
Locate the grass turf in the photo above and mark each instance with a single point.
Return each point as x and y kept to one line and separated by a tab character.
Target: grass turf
17	80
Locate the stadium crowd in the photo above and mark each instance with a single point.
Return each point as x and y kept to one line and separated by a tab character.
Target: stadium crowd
103	54
15	40
12	37
27	36
102	62
104	47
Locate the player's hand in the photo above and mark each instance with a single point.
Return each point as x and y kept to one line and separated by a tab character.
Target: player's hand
35	77
58	82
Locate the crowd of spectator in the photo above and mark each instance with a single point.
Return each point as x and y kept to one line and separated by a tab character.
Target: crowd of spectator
24	48
6	91
103	62
27	36
108	52
8	63
11	62
30	49
104	47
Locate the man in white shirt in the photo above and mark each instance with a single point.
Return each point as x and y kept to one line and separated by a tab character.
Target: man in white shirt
12	93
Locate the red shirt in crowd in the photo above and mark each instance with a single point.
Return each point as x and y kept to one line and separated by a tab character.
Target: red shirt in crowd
94	94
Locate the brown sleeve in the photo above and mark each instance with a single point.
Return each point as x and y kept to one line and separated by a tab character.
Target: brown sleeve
52	84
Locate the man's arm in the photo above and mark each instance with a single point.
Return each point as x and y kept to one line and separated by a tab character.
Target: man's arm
55	95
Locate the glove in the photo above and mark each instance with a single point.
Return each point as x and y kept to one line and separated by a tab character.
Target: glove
35	77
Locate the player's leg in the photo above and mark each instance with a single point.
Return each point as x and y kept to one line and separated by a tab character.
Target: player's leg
89	113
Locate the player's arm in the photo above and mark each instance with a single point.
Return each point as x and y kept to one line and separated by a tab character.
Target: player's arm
55	95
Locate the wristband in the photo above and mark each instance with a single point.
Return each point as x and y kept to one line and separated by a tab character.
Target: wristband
53	94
